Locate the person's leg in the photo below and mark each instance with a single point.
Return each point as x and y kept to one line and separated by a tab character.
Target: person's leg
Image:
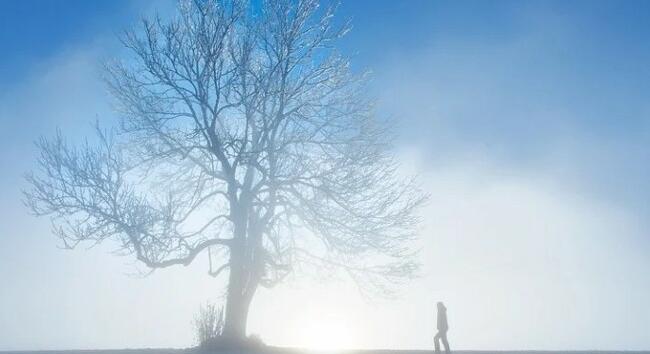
445	342
436	341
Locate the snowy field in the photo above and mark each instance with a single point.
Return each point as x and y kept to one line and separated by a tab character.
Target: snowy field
298	351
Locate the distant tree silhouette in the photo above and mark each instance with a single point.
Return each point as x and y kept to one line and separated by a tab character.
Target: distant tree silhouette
244	133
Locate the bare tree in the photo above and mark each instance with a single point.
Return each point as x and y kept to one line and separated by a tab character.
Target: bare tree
243	132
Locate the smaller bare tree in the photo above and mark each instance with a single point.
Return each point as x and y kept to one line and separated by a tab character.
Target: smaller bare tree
208	323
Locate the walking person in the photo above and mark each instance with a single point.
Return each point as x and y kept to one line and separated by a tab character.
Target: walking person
443	326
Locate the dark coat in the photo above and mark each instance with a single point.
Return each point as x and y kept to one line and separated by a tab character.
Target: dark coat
442	319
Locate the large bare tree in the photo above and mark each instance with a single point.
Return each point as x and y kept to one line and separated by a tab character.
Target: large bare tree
244	136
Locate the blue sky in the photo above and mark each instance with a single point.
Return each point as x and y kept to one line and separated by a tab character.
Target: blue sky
34	30
529	122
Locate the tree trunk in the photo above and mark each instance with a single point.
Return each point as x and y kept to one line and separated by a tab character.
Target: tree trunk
236	303
237	306
243	283
245	273
239	282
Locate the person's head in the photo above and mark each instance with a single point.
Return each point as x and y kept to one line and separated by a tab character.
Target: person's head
441	306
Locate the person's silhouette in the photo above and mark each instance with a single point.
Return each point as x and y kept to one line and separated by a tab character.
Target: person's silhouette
443	326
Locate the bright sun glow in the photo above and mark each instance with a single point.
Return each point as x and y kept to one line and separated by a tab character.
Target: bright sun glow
320	330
